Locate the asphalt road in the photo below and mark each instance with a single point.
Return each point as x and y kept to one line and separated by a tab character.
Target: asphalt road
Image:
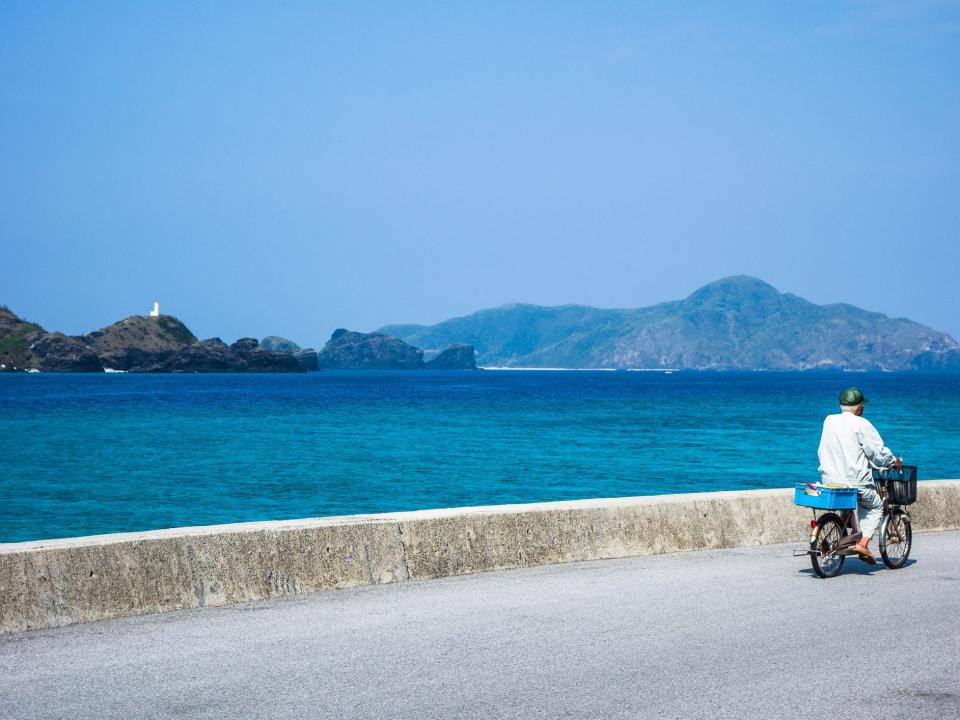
744	633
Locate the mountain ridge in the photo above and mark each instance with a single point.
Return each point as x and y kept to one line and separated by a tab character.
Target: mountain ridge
734	323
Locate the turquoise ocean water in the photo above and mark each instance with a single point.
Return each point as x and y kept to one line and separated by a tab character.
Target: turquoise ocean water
87	454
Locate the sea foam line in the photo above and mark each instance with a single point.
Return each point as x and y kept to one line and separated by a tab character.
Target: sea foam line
563	369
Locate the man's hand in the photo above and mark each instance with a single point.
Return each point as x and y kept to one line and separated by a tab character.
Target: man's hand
898	463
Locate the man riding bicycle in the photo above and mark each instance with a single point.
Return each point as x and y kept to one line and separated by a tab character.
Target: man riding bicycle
849	445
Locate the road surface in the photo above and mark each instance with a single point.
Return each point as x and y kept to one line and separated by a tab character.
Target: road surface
746	633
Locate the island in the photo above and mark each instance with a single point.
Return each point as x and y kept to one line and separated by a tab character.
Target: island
348	350
158	343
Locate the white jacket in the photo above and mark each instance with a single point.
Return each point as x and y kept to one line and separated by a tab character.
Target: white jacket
847	445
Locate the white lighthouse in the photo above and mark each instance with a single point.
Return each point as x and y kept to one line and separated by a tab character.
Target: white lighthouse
156	310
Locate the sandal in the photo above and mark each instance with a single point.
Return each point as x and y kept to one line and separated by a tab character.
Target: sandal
865	555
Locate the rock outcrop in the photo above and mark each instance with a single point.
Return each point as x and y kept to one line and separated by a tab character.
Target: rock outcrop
279	344
27	346
348	350
15	336
455	357
212	355
56	352
259	359
164	344
307	357
138	344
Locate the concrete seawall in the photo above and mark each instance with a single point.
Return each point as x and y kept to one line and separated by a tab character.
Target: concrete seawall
58	582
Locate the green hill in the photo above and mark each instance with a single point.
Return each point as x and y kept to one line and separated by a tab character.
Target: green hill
25	345
279	344
735	323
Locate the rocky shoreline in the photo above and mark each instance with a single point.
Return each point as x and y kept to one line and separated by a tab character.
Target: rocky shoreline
348	350
163	344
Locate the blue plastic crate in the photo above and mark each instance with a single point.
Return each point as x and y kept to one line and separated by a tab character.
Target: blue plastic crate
825	498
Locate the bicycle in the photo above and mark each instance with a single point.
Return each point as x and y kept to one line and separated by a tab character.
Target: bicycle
835	532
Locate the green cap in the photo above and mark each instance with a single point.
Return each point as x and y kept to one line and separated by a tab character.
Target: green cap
852	396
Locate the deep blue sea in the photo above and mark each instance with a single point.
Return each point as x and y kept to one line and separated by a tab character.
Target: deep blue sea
88	454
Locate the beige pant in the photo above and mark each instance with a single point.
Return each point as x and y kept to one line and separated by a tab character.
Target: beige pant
869	510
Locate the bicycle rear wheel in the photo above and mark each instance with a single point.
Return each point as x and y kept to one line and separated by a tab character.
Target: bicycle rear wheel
896	539
824	555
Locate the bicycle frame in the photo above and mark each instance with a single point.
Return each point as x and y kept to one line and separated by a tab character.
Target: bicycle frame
850	522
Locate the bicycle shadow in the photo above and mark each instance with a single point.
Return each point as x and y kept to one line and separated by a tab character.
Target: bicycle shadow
855	566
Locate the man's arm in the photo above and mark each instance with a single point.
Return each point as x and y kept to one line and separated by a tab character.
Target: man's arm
873	447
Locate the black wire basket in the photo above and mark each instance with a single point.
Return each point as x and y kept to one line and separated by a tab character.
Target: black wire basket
901	484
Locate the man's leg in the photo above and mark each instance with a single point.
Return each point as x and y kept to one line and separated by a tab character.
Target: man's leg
869	512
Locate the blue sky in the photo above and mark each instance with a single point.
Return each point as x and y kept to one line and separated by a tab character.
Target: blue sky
289	168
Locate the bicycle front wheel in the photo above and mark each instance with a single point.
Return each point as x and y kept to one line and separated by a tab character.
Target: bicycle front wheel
896	539
824	548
